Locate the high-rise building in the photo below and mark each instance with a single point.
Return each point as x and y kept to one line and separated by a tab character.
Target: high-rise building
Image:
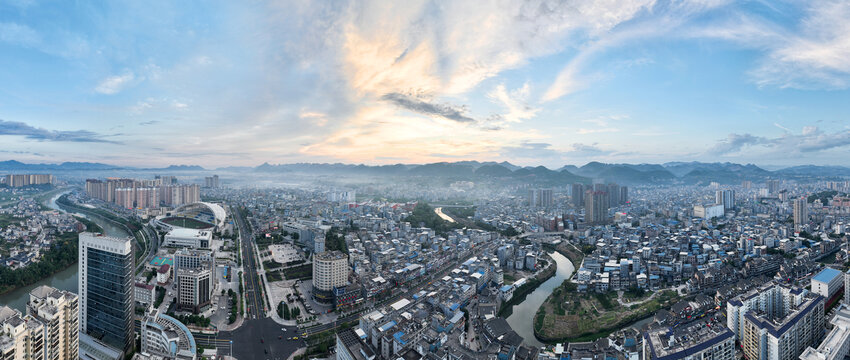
330	270
725	197
21	337
836	344
21	180
144	194
58	311
577	194
211	182
106	289
776	322
702	339
613	191
801	211
540	197
624	194
596	207
194	274
773	186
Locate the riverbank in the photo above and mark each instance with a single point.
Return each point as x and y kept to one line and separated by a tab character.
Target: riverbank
530	285
568	315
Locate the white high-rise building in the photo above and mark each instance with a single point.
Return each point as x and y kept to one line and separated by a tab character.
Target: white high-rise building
330	270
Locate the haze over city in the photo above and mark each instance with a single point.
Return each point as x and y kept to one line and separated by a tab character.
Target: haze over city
425	180
534	83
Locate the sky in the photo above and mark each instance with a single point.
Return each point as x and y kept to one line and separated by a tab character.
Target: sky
221	83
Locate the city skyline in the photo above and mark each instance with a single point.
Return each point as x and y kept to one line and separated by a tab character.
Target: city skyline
533	84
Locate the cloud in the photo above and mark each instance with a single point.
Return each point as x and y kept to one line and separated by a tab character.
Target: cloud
150	122
424	107
530	151
817	55
810	140
515	102
41	134
587	150
735	142
114	84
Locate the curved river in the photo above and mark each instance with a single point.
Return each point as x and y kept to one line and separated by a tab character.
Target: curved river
522	318
63	280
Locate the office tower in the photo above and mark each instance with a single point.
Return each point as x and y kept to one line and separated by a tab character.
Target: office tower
613	191
194	274
106	289
801	211
596	207
577	193
58	311
21	337
725	197
772	186
330	270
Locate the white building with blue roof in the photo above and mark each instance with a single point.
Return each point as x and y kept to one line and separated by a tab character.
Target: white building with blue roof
827	282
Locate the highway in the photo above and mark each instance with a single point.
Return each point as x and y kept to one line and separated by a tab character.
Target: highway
251	282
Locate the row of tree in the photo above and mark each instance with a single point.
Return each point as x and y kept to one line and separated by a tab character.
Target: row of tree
62	253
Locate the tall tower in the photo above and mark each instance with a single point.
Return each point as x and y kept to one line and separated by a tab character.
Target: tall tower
106	289
596	207
801	211
577	194
725	197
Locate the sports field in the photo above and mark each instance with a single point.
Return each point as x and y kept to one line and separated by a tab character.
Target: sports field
159	260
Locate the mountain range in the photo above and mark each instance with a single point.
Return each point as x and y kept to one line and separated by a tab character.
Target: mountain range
671	172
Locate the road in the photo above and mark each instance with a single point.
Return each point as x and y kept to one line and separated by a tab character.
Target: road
251	283
255	339
152	242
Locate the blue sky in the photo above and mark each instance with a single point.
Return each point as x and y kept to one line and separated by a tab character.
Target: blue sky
531	82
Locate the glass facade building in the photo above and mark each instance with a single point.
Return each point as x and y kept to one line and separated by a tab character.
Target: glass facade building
106	289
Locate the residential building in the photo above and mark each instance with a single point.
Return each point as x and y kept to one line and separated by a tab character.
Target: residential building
58	311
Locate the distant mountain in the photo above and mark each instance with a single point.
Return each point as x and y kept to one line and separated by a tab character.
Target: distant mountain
681	169
442	169
571	168
493	171
814	170
19	166
182	168
625	173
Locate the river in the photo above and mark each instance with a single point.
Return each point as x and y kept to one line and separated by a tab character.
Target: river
63	280
522	318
